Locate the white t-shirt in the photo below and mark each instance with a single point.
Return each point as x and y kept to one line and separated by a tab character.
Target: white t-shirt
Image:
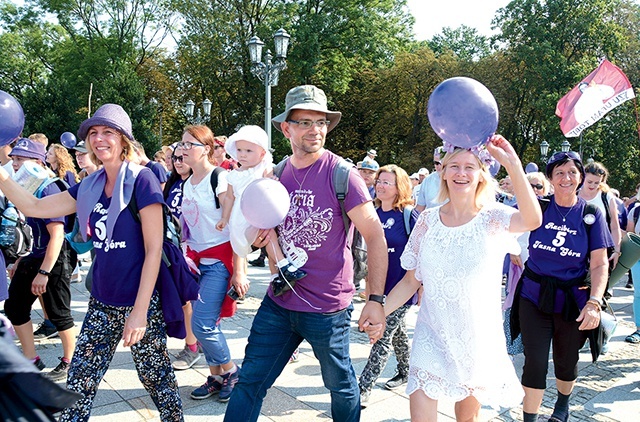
201	215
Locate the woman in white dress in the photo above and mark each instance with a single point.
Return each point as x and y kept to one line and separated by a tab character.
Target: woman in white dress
456	252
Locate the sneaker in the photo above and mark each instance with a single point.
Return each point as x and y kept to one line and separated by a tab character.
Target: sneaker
292	274
364	398
279	286
44	331
629	285
38	363
228	382
396	381
294	356
206	390
258	262
59	372
185	359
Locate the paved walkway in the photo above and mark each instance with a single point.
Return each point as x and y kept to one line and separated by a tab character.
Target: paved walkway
608	390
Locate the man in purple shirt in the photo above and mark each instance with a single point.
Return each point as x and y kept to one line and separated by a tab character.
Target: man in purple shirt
318	308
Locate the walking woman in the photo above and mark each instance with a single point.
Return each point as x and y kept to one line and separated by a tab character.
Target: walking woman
553	304
456	252
211	250
123	305
393	204
61	163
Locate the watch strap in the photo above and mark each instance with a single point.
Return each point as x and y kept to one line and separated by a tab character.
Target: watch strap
381	299
43	272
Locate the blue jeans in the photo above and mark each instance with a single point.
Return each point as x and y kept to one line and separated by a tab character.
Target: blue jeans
275	333
206	313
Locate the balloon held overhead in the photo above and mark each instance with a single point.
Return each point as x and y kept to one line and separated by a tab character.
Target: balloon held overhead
463	112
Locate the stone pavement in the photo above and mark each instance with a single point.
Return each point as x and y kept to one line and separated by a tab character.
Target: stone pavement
608	390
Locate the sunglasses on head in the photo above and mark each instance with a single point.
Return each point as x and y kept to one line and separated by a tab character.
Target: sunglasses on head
177	158
537	186
560	156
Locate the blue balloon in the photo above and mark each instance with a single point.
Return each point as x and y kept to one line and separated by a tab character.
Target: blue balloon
11	119
463	112
531	168
494	168
68	139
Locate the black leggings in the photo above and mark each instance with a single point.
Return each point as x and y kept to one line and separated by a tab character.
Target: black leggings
538	329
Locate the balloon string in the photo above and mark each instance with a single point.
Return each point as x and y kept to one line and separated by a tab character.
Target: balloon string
287	281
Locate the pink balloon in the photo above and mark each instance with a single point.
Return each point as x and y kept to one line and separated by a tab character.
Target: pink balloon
265	203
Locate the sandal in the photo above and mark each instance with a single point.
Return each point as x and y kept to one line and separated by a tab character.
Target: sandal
633	338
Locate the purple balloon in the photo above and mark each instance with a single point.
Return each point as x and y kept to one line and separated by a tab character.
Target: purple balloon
68	139
11	118
463	112
531	168
265	203
494	168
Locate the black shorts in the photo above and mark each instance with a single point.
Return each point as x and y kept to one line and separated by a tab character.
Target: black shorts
57	298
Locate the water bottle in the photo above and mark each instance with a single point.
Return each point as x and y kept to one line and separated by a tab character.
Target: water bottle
8	226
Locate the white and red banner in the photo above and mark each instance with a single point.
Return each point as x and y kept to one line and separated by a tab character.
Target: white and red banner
603	90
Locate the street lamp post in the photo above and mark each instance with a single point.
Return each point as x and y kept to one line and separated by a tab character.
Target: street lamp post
268	71
565	146
199	119
544	150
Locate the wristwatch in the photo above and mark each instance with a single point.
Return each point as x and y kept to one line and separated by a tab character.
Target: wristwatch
381	299
43	272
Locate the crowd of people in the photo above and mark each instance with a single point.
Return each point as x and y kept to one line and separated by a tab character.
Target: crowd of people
443	240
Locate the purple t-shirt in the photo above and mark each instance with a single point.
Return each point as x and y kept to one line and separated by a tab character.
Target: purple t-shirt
118	265
396	234
313	236
174	198
158	170
41	235
561	249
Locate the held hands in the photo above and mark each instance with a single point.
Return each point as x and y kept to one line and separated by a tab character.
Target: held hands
372	321
502	151
134	327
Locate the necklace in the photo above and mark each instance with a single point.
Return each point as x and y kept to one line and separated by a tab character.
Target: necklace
564	217
298	197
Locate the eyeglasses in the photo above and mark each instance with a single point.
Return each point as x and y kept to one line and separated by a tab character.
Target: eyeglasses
561	156
437	163
538	186
306	124
189	145
177	158
385	183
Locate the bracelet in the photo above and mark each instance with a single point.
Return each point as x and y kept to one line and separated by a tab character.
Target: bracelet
596	299
43	272
594	303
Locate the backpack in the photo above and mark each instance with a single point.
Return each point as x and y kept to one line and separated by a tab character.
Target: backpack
605	201
23	243
214	183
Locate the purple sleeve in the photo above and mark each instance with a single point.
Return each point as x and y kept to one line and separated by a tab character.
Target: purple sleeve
158	170
599	235
147	189
357	193
73	190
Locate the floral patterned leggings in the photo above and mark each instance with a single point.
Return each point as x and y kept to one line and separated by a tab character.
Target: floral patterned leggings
395	334
101	332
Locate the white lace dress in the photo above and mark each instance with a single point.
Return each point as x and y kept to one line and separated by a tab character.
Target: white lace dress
459	345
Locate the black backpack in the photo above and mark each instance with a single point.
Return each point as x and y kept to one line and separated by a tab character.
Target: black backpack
23	243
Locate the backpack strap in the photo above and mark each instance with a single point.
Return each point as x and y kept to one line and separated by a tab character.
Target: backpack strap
605	201
279	168
62	185
214	183
406	213
588	209
341	185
